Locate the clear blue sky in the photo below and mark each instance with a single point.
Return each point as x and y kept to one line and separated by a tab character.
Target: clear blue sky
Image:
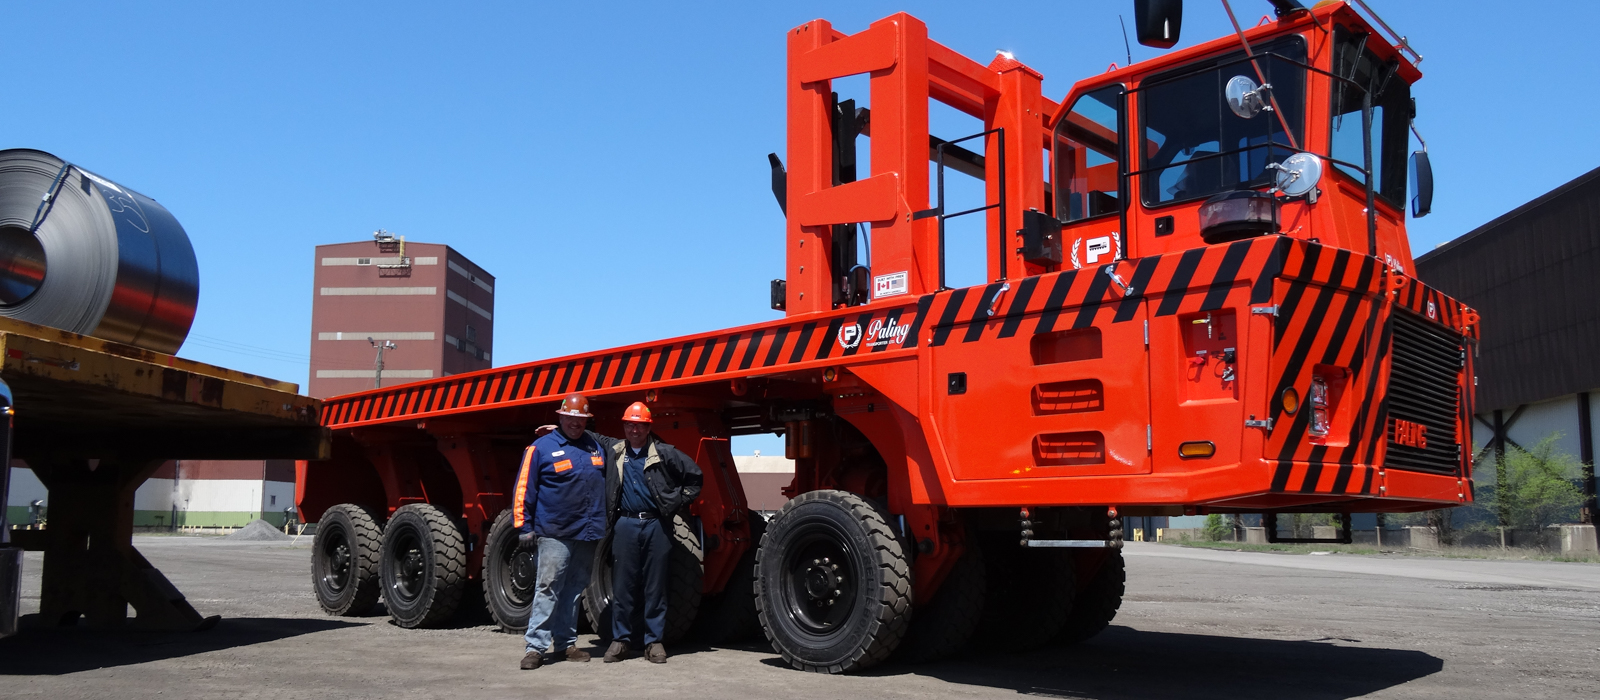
559	144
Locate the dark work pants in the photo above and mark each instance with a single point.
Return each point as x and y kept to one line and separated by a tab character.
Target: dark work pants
639	555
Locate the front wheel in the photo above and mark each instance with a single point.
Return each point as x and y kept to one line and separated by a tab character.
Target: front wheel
424	567
509	575
832	583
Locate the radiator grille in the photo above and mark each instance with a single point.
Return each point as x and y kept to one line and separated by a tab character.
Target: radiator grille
1423	390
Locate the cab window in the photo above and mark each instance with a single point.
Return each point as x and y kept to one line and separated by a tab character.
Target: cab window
1193	146
1391	115
1085	156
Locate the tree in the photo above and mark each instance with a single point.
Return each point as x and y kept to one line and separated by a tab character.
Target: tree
1537	488
1215	528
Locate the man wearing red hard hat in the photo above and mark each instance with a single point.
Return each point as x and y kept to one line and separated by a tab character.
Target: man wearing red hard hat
647	482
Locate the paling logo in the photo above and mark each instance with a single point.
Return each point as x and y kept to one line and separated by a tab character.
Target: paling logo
879	333
850	336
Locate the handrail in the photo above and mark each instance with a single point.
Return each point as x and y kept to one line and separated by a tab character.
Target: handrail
938	210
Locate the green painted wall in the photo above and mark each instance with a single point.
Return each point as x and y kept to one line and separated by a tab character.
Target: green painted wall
18	515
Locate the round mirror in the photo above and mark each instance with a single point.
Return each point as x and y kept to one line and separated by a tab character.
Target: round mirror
1244	97
1298	174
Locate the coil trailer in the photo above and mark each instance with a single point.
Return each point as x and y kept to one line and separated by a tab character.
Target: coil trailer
93	419
1198	304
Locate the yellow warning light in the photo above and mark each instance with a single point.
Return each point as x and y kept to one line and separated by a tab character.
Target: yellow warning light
1197	450
1291	400
829	374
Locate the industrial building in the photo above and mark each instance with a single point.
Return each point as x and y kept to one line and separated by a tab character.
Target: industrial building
429	308
1531	275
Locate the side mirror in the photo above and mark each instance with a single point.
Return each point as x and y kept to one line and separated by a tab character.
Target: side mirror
1157	22
1422	184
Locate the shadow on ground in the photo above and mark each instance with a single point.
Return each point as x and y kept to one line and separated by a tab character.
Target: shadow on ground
57	651
1127	663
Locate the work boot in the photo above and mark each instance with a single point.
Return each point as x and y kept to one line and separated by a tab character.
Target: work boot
576	654
617	652
532	660
656	653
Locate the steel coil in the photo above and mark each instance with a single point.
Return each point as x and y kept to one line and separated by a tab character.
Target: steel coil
82	253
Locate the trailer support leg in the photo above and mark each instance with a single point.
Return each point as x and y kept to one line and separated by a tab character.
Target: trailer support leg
90	566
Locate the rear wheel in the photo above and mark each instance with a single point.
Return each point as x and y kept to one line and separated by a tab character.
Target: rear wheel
344	560
832	583
509	575
684	581
1029	593
424	566
1098	597
730	616
943	625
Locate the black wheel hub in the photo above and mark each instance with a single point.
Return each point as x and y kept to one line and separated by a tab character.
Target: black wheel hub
410	567
821	580
336	551
523	574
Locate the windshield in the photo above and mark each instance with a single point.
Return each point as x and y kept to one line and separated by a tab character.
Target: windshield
1086	154
1391	115
1193	146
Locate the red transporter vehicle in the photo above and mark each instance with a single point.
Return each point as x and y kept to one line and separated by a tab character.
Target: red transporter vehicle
1202	306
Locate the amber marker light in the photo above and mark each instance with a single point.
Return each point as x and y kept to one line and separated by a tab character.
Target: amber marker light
829	375
1291	400
650	396
1197	450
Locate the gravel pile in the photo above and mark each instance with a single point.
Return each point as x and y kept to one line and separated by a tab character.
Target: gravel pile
258	531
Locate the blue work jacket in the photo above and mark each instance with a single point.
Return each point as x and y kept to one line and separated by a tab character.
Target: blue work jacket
561	489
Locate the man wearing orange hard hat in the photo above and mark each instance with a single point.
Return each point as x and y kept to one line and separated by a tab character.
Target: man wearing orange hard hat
647	482
559	505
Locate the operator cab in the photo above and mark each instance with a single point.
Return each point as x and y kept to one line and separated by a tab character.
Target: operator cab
1230	142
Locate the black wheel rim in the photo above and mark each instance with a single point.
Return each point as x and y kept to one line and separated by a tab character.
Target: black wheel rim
519	570
410	566
337	560
821	579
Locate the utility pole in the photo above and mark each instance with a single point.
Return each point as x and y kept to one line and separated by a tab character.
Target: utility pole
377	377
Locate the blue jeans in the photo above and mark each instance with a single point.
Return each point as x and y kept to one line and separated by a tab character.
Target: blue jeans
563	574
640	551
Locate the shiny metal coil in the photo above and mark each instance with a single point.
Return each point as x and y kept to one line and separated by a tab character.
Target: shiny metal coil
82	253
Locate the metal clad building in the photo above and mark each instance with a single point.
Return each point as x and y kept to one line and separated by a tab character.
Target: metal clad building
1532	276
431	302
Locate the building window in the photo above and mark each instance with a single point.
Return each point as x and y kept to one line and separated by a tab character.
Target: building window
274	500
363	261
472	334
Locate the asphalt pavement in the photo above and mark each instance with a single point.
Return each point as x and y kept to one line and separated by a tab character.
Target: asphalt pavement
1195	624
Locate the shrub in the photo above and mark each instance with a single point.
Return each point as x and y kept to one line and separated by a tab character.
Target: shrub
1215	529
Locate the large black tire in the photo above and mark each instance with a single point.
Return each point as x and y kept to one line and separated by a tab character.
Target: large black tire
1029	593
943	625
344	561
424	566
730	617
509	576
684	583
833	583
1099	596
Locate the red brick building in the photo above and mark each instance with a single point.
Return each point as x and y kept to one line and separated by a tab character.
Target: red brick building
431	302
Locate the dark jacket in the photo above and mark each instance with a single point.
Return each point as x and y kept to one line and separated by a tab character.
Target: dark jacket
673	478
